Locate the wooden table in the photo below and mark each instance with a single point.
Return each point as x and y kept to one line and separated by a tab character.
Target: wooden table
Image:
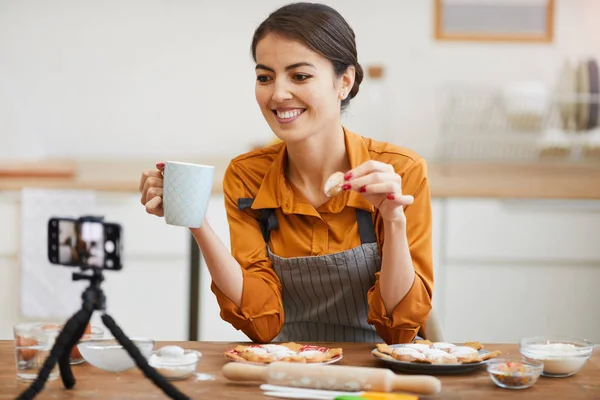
93	383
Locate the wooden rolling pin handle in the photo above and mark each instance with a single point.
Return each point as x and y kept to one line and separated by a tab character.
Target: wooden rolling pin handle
379	379
417	384
236	371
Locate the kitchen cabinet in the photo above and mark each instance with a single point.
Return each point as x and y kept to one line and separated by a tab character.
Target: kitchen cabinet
517	268
437	212
513	230
9	262
9	295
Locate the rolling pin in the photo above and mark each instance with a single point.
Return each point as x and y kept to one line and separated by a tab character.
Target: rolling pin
332	377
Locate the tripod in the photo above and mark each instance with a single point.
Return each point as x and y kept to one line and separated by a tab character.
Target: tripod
93	299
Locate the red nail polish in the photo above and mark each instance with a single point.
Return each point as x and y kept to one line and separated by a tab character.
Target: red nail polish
348	176
362	189
160	165
347	186
391	197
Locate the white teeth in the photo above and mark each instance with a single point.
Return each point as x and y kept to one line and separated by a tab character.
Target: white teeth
288	114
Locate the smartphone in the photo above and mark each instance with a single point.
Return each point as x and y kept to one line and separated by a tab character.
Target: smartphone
85	242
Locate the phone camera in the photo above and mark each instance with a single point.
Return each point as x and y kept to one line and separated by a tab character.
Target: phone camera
109	246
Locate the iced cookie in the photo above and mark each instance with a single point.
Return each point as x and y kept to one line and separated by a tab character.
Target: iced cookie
333	185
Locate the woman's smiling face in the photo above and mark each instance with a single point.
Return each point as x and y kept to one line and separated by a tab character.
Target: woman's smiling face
297	89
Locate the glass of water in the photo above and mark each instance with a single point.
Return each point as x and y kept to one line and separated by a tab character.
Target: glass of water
33	342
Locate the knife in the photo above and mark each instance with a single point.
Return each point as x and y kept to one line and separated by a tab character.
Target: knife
289	392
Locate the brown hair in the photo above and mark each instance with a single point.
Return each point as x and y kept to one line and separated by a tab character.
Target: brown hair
320	28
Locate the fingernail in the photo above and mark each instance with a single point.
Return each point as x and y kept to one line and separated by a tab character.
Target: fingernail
362	189
391	196
160	165
348	176
347	186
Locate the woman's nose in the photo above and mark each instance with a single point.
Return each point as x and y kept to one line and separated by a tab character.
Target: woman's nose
281	92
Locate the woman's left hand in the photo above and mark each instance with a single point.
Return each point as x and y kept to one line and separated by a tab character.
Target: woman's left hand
381	186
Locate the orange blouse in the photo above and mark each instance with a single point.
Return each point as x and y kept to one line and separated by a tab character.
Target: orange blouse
306	231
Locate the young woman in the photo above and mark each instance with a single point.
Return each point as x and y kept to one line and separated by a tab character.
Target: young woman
305	267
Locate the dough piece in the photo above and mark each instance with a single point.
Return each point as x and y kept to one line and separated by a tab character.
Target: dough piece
465	354
333	185
291	345
418	346
384	348
467	358
233	356
290	352
407	354
489	355
436	356
475	345
275	348
463	349
424	351
445	359
313	356
421	341
443	346
333	353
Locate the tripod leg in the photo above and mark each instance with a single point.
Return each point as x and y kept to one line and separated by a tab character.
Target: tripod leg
59	348
141	362
74	329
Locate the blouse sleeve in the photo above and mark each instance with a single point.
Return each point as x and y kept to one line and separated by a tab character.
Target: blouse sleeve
410	315
260	315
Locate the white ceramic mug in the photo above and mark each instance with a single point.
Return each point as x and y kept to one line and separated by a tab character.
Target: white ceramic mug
187	189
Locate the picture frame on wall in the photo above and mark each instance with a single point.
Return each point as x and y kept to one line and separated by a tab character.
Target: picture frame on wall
494	20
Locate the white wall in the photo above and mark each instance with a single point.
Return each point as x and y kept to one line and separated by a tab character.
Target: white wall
157	77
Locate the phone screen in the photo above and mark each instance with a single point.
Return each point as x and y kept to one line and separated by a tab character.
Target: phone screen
84	243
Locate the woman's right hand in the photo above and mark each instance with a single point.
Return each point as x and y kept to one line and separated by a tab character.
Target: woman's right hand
151	187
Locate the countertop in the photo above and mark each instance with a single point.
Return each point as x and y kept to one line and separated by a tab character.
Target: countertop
93	383
535	181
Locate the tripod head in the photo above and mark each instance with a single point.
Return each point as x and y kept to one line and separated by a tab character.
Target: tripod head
93	297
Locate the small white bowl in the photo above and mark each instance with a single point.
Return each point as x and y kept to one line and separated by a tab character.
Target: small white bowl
175	368
562	356
109	355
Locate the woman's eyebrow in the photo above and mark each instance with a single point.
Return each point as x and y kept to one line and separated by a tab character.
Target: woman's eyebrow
296	65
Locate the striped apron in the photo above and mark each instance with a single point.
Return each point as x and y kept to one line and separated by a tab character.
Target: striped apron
325	297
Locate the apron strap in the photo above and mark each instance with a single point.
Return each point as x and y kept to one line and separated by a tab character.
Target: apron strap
365	227
267	220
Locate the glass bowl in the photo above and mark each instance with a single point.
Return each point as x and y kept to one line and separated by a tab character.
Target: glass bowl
109	355
175	367
75	358
562	356
96	333
514	373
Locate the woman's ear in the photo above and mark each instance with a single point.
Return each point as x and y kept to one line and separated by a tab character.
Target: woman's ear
347	82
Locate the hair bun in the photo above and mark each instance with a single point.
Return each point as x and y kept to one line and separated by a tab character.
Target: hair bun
358	77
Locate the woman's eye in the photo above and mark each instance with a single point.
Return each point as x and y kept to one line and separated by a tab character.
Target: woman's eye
301	77
263	78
